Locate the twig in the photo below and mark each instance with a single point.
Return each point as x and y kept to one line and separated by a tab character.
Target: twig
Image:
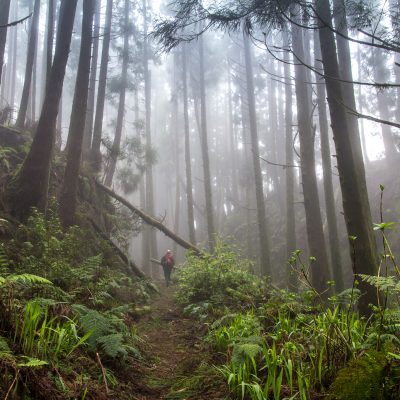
103	373
16	22
12	385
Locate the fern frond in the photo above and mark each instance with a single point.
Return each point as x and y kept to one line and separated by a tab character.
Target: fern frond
29	279
32	362
244	351
112	345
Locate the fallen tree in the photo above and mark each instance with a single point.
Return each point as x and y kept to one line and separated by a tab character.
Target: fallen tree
150	220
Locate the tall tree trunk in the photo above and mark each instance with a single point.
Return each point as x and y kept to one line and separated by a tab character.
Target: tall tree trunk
356	208
115	149
265	262
5	11
188	160
289	159
336	259
149	170
32	44
68	199
13	72
204	150
315	233
30	187
48	47
101	90
344	59
381	74
87	138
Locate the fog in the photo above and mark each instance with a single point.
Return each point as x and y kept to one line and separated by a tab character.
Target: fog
237	118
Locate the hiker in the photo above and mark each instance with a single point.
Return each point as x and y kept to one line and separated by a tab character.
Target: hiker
167	262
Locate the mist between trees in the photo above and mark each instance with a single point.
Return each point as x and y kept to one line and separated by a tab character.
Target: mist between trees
271	124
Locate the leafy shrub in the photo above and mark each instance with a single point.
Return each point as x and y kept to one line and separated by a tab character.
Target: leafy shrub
222	279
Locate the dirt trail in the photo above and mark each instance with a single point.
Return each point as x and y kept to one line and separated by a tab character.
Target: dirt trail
175	345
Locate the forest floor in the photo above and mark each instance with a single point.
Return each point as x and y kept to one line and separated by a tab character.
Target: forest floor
179	366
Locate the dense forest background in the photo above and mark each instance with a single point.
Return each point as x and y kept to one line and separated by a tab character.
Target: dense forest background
264	131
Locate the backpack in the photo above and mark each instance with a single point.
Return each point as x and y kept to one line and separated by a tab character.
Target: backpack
169	261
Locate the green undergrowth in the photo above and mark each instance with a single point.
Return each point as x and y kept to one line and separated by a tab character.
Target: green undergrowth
67	312
270	343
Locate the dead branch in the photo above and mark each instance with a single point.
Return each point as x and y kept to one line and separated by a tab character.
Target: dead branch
103	372
16	22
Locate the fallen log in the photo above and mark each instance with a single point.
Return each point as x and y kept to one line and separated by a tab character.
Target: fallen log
150	220
130	264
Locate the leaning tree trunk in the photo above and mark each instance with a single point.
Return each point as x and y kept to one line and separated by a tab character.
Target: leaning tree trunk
265	263
315	233
30	186
356	208
68	199
32	44
188	161
204	150
336	259
5	11
115	149
101	90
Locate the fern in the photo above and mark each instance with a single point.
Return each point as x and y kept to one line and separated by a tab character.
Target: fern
31	362
112	345
97	323
4	348
29	279
382	283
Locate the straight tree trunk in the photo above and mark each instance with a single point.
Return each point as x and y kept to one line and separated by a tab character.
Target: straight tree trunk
101	90
149	171
265	263
204	150
68	199
289	159
336	259
30	186
381	74
115	150
345	70
356	208
315	233
5	11
48	46
32	44
188	160
87	138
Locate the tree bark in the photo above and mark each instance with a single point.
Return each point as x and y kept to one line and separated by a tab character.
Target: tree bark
315	233
32	44
149	171
334	243
115	150
289	159
87	138
188	160
5	11
265	263
68	199
204	150
356	208
30	186
101	90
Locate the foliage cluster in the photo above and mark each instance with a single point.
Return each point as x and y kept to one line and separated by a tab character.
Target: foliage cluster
211	283
277	344
64	293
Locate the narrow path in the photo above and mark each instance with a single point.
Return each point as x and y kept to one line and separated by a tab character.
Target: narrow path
175	345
